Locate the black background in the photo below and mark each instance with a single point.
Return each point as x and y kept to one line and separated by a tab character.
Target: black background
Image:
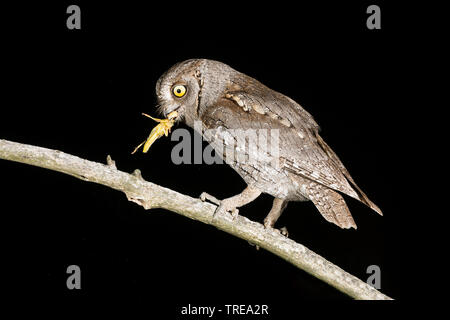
82	92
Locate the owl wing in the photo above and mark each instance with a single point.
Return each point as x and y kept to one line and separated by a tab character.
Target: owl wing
302	150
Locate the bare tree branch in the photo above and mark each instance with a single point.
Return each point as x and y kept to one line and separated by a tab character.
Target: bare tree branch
150	195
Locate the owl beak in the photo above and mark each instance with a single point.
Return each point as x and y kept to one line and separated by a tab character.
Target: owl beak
169	110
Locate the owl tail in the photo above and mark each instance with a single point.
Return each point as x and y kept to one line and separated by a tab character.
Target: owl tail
361	195
331	205
363	198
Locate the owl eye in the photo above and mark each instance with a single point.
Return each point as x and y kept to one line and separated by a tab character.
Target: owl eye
179	90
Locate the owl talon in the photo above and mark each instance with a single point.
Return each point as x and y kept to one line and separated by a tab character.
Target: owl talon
207	197
270	224
226	207
223	206
284	232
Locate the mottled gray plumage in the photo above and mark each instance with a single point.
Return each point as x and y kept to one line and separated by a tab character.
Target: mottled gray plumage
225	99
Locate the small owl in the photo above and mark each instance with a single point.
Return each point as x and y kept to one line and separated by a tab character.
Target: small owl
228	104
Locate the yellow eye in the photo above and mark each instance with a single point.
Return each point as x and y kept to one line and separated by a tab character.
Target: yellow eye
179	90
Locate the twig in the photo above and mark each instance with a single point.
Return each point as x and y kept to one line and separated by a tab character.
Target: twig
150	195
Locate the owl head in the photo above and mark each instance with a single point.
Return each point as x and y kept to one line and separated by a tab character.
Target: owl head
189	86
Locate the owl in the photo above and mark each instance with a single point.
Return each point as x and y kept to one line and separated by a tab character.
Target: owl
295	164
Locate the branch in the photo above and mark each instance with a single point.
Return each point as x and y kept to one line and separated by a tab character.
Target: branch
150	195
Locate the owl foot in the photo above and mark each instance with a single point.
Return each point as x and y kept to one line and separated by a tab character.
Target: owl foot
283	230
277	208
207	197
231	204
223	206
227	205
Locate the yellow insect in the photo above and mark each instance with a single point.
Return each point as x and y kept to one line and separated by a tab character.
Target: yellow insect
163	128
